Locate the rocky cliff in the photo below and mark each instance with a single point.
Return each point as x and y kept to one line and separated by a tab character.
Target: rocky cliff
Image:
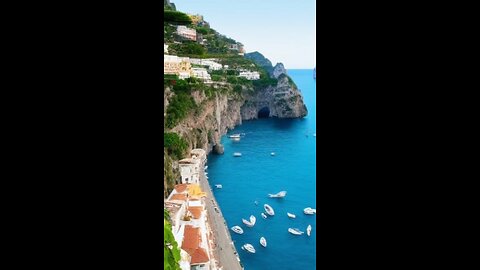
278	70
282	101
215	116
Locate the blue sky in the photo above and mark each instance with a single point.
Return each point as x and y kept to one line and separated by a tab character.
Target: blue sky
283	31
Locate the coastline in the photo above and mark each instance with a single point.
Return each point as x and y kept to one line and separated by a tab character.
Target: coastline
226	256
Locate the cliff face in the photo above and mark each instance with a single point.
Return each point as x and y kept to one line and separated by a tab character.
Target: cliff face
216	116
283	101
278	70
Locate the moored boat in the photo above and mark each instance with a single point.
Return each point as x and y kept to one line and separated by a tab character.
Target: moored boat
264	216
309	229
218	186
309	211
233	136
291	215
295	231
248	248
250	223
272	154
280	194
269	209
253	219
263	241
237	154
237	229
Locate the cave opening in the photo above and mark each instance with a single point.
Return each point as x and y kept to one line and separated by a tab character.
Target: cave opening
264	113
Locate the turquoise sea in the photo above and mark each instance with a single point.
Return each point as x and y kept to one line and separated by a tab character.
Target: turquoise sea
253	176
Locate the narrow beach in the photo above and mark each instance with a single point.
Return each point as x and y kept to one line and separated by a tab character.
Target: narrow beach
223	248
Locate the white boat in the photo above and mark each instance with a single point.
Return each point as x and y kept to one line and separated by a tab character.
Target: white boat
263	241
272	154
295	231
206	167
237	229
269	209
234	136
219	186
280	194
264	216
256	203
309	229
291	215
248	248
236	139
237	154
250	223
309	211
314	134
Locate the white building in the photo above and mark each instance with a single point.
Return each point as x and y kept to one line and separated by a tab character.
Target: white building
180	66
190	168
212	65
201	73
250	75
186	32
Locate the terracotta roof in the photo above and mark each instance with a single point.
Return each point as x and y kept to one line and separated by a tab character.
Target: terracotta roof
191	239
196	211
180	197
180	188
199	256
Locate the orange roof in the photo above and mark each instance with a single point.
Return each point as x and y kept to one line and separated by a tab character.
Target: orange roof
180	188
191	239
196	211
199	256
180	197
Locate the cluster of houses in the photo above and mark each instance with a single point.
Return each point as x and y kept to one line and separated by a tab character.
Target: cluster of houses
182	67
186	206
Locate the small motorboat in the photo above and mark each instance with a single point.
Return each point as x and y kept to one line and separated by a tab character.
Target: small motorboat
314	134
250	223
280	194
309	211
237	154
256	203
233	136
237	229
309	229
272	154
295	231
264	216
206	167
236	139
248	248
218	186
291	215
269	209
263	241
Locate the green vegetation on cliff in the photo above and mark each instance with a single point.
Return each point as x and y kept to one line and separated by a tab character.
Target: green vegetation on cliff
176	17
171	251
174	144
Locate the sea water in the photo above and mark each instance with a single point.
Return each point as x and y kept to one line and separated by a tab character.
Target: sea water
257	173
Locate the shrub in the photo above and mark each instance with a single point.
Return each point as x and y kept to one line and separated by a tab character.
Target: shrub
180	105
176	17
175	145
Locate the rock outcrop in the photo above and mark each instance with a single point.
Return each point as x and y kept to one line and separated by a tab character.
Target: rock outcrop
278	70
260	60
282	101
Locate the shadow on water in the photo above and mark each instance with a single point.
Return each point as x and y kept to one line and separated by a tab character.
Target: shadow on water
285	124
